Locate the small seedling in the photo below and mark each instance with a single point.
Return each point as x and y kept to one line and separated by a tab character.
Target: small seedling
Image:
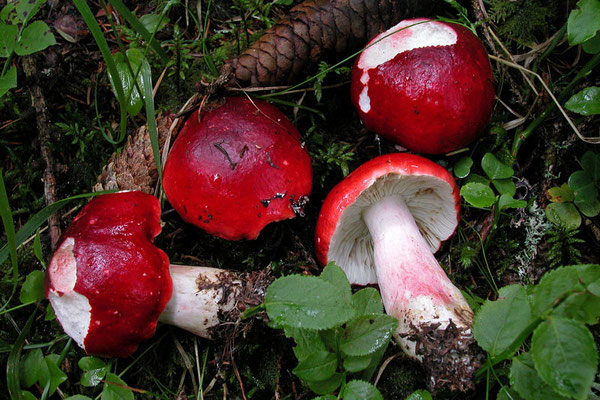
479	192
579	195
340	336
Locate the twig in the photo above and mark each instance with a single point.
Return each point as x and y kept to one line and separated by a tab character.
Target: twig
43	125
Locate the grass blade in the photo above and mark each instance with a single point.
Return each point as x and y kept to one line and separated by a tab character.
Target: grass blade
151	115
140	28
9	228
12	365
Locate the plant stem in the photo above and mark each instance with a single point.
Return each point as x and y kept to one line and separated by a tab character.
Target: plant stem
520	137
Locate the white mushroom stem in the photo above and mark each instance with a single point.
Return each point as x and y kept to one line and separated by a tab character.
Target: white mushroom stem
202	298
414	288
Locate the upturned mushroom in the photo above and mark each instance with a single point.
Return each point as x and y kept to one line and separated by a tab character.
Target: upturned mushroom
424	84
382	224
237	168
109	284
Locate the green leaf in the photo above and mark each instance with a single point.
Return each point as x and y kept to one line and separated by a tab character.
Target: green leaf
307	341
9	14
586	102
8	81
592	46
420	394
494	168
361	390
499	325
560	194
507	201
130	85
30	367
476	178
526	381
583	22
586	193
591	165
33	287
36	36
37	249
8	39
153	22
306	302
563	214
114	389
26	395
367	301
558	285
478	194
318	366
506	393
564	354
366	334
356	363
78	397
27	9
50	374
462	166
326	386
94	371
326	397
337	277
505	186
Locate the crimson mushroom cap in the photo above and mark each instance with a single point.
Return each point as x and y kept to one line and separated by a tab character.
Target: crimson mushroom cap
107	282
428	87
237	169
427	188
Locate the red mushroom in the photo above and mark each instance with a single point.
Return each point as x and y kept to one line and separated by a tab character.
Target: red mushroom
381	224
428	87
109	285
237	168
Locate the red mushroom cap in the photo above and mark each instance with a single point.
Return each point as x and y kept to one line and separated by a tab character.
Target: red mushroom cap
239	168
428	87
106	281
427	188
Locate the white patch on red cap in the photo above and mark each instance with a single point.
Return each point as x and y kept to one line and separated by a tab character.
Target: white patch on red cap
72	309
387	45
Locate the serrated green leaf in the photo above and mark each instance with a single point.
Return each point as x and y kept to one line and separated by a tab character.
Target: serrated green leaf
376	358
8	81
494	168
8	39
337	277
33	287
307	341
499	325
583	22
556	285
581	306
307	302
586	102
366	334
356	363
36	36
330	338
462	166
420	395
30	367
560	194
526	381
326	386
563	214
564	354
367	301
361	390
506	201
478	194
114	389
317	366
505	186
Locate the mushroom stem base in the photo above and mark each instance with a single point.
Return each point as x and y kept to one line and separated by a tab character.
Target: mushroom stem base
416	290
